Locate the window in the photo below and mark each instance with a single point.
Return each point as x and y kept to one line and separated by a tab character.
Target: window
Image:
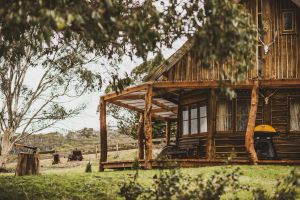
288	22
203	119
242	113
295	114
224	115
185	120
194	119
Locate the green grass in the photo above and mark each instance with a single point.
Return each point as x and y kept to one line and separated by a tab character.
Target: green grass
73	183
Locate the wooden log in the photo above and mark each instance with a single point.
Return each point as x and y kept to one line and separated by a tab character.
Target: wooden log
148	127
249	140
212	107
28	164
168	132
103	134
141	137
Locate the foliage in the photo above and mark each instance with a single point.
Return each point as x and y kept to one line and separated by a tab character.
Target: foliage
227	38
286	189
73	183
127	120
59	38
174	185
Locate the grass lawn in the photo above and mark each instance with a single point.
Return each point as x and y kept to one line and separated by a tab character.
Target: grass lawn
74	183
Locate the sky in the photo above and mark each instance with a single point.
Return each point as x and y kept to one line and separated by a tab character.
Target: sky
89	117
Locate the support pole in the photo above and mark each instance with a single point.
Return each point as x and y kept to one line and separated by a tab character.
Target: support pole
103	134
140	137
168	132
148	127
249	140
212	108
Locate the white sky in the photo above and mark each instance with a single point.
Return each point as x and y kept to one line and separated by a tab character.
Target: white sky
89	117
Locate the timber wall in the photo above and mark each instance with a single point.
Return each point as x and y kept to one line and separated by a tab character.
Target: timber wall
282	61
275	111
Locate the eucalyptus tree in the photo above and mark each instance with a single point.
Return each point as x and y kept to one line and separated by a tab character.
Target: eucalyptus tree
60	37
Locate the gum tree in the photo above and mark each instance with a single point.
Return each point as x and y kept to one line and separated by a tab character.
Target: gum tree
61	37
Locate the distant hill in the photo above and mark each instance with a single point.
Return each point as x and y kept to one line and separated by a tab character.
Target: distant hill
85	140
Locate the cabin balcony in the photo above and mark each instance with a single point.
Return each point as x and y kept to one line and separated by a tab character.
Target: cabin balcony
216	143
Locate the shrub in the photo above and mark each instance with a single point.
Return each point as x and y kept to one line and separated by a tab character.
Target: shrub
285	189
173	184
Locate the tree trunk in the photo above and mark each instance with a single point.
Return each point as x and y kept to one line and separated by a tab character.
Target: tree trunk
6	147
249	140
28	164
141	137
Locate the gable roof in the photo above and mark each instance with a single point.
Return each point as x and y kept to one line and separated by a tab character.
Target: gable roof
297	2
170	62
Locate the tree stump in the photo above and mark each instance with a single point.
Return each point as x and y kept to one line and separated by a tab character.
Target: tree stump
56	159
28	164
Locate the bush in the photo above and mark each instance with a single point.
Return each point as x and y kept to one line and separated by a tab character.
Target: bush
285	189
173	184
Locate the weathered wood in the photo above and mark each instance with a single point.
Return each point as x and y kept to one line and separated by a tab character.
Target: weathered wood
211	129
174	110
168	132
141	137
249	138
28	164
127	106
148	126
103	133
126	91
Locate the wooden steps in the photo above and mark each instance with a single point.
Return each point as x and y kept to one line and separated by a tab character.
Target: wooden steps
230	147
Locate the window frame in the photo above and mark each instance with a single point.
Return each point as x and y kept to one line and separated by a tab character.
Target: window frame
290	98
294	23
189	106
232	105
236	113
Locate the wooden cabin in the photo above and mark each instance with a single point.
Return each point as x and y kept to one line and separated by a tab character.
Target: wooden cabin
211	127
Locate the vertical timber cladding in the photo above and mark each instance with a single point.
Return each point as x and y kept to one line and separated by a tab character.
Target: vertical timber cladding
287	144
282	59
194	142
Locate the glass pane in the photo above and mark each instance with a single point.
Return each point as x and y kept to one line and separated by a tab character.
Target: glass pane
194	112
295	115
194	126
203	111
242	122
242	115
203	125
185	113
288	21
185	127
224	115
243	107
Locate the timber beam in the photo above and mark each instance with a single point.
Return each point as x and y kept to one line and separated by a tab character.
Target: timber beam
249	137
103	134
171	109
126	91
148	126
